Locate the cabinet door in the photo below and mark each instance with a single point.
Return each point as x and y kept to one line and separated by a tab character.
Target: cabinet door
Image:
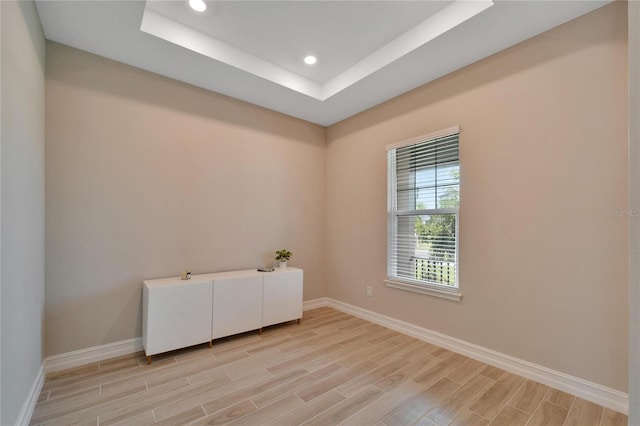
282	297
176	316
237	305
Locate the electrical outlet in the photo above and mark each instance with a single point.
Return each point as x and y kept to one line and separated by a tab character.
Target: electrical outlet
369	291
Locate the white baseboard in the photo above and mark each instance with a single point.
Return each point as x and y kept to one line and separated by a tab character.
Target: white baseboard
124	347
315	303
93	354
24	416
598	394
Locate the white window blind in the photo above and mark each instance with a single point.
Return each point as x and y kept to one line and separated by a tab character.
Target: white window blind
423	200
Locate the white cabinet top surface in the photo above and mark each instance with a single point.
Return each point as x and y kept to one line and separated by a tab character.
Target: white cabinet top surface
207	278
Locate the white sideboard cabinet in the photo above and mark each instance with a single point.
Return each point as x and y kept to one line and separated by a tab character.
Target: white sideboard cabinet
282	296
175	314
179	313
237	305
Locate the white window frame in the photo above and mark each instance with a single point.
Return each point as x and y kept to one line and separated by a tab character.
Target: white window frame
403	283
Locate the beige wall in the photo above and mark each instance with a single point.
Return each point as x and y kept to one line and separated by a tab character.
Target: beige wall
22	201
543	269
146	175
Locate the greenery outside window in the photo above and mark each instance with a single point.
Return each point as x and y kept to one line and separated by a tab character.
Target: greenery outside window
423	201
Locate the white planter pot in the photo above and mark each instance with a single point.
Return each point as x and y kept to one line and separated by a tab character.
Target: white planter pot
283	264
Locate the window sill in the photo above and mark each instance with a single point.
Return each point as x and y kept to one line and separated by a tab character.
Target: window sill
449	295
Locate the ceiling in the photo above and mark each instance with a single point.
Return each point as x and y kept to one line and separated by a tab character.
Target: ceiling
368	51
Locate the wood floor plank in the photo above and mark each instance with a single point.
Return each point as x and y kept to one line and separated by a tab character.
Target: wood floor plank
75	372
145	371
315	341
145	418
92	371
460	400
405	344
270	412
468	418
349	324
510	416
322	310
356	384
309	410
301	359
251	391
45	412
529	396
143	404
44	395
89	422
408	372
123	386
559	398
357	323
296	385
258	361
344	409
440	370
548	414
333	368
251	344
120	363
384	405
335	380
326	320
613	418
584	413
63	394
228	414
414	349
183	418
115	404
198	395
67	377
368	352
466	371
492	372
293	341
333	357
416	407
425	349
422	422
497	395
345	336
441	353
331	323
360	337
193	365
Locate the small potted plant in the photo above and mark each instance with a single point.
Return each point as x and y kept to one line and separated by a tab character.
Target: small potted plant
283	256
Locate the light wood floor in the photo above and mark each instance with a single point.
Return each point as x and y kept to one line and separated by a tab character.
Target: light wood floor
331	369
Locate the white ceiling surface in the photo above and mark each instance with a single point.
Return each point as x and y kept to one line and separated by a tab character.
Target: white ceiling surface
368	52
284	32
436	24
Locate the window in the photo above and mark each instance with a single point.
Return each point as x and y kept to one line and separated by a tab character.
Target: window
423	200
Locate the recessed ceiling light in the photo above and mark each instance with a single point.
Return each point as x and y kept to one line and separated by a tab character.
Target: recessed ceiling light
310	60
198	5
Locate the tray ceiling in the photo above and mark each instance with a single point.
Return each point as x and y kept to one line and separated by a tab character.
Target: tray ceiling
368	51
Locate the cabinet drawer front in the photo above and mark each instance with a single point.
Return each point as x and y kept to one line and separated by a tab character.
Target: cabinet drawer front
237	306
282	297
177	316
